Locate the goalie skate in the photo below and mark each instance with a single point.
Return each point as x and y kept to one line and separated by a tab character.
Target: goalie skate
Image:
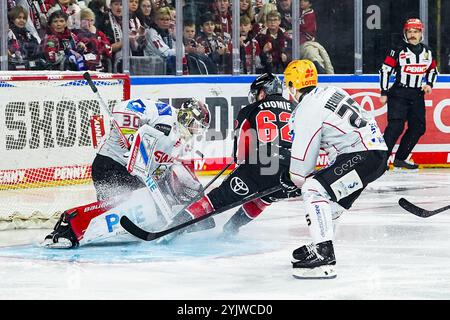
314	261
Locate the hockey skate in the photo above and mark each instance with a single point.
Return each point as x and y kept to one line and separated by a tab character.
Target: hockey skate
403	165
231	228
314	261
62	236
183	217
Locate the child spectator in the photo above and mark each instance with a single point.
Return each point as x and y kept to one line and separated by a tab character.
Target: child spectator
71	8
61	45
98	49
249	49
275	44
23	47
197	59
308	25
214	44
261	17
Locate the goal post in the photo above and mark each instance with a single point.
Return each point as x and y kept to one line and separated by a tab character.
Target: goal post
50	124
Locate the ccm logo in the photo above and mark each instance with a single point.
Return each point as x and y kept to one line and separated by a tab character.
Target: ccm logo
416	69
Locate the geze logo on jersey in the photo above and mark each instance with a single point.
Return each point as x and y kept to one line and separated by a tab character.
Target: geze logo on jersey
415	69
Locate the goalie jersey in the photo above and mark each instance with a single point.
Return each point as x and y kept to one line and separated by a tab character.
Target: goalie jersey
130	116
329	119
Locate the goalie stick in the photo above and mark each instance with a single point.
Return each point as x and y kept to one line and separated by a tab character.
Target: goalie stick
418	211
102	102
128	225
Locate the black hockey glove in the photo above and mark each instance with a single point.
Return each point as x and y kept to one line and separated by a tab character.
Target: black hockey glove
289	188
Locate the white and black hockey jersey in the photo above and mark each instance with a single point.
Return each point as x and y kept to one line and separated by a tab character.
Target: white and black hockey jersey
132	114
329	119
410	64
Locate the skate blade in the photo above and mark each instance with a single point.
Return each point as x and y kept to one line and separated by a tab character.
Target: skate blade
49	244
322	272
404	170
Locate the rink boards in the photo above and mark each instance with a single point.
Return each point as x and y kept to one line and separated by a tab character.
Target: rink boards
225	95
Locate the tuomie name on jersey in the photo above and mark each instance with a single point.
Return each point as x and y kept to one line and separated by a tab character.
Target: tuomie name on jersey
275	104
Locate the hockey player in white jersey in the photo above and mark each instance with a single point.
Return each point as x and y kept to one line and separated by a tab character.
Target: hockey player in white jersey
329	119
159	135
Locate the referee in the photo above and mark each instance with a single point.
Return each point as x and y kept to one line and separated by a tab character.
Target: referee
415	72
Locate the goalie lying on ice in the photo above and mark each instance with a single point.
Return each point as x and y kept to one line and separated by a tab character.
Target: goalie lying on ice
147	182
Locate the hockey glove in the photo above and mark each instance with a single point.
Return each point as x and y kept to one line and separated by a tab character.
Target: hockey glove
289	188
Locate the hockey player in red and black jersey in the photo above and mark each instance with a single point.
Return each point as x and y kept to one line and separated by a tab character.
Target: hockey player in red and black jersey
262	154
415	72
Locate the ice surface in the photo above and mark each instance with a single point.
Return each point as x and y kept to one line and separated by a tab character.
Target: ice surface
382	252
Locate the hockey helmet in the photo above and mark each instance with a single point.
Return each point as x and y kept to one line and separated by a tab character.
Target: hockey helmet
268	82
412	24
193	116
300	74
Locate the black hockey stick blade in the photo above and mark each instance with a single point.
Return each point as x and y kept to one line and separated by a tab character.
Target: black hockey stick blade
136	231
418	211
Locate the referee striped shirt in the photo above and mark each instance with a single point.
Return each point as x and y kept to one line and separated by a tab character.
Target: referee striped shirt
411	65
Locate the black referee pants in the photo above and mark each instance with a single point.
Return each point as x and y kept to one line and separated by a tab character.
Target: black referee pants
405	105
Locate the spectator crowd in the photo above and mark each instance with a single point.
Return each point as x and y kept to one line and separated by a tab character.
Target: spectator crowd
87	35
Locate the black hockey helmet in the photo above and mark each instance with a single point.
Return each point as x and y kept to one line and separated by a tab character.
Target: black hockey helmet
268	82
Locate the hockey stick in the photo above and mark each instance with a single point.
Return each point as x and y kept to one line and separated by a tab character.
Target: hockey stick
420	212
128	225
102	102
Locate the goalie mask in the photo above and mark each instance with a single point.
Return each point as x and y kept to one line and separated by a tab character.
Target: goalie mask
193	116
268	82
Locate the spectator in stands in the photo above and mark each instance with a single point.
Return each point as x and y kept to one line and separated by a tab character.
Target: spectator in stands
249	49
159	41
98	53
112	28
214	44
60	45
261	17
160	4
258	6
23	47
223	20
71	8
284	7
37	17
100	10
197	60
144	13
308	25
137	30
275	44
246	9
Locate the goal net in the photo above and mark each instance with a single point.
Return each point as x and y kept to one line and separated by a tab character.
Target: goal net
47	139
